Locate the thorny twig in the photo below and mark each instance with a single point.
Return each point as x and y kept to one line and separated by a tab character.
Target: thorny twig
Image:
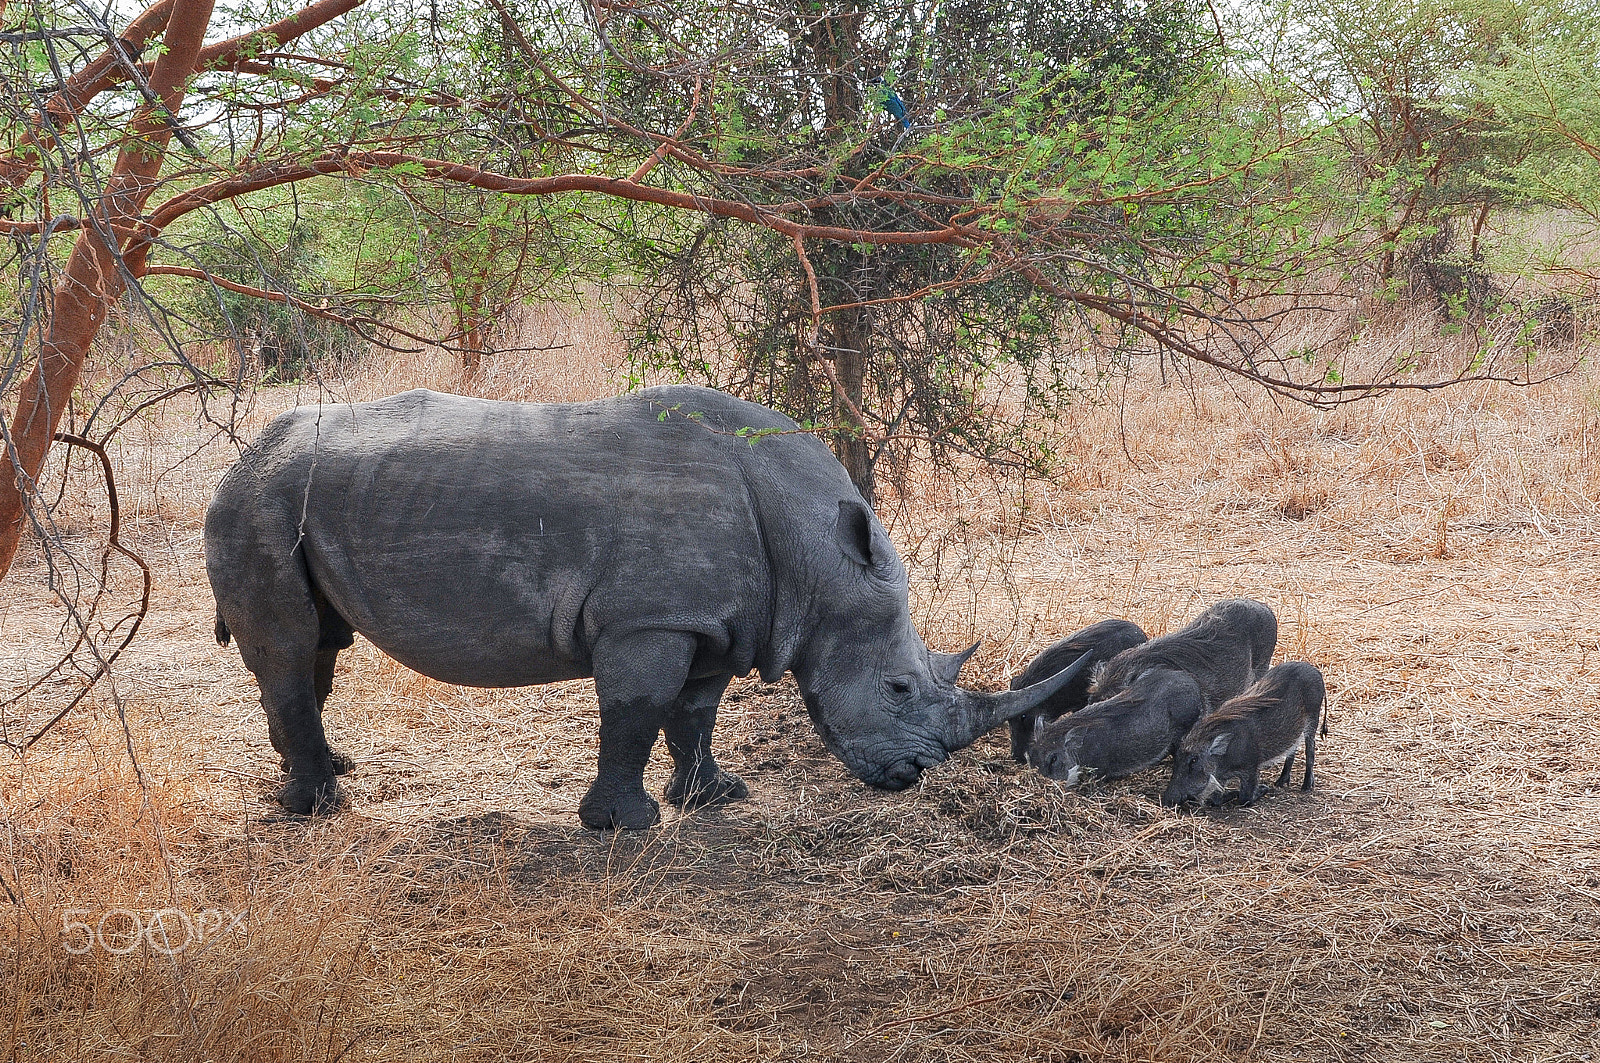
113	542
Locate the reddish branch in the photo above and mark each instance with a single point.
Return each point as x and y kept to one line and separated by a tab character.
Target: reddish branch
356	163
358	322
812	343
117	63
94	275
114	241
101	73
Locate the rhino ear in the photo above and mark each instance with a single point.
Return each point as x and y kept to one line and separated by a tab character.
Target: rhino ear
858	535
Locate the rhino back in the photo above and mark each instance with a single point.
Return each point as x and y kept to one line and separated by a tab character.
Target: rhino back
492	544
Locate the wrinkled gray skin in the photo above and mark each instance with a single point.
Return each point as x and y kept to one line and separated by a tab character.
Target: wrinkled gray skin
637	540
1102	641
1266	723
1226	648
1138	727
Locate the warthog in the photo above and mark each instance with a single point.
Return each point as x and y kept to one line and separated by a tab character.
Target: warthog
1225	649
1266	722
1102	641
1124	734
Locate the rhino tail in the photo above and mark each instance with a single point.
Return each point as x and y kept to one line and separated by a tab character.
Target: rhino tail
221	630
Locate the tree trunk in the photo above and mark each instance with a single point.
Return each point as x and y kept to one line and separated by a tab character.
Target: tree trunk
91	281
835	43
851	341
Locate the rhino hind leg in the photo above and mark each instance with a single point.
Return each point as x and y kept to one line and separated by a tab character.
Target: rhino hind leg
294	724
288	638
323	678
696	778
638	679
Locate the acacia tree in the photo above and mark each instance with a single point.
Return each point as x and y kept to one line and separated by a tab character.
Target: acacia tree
1416	144
1161	218
1542	89
964	103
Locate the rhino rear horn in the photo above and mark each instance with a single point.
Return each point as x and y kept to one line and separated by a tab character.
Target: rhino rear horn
947	666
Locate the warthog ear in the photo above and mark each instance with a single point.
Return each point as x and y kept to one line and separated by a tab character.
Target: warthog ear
1219	744
1096	677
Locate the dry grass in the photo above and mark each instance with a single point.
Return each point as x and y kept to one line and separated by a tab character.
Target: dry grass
1436	898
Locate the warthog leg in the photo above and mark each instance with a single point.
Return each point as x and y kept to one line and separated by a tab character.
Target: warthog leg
696	778
1249	785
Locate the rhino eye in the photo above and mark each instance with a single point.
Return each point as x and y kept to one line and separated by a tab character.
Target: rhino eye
897	688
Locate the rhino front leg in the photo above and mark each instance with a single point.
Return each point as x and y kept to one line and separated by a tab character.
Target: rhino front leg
696	778
637	679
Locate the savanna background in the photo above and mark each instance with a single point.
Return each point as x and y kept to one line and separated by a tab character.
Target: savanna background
1292	302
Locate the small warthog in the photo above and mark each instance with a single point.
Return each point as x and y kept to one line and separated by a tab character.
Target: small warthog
1124	734
1102	641
1225	649
1266	722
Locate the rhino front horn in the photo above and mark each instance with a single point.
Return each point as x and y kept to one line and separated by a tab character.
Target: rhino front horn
978	714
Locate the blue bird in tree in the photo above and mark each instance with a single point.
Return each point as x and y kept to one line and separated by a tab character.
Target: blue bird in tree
891	102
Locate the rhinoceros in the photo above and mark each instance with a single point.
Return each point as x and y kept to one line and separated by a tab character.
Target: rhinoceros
661	542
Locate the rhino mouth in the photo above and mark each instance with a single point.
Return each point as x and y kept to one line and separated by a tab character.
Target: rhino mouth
900	774
882	762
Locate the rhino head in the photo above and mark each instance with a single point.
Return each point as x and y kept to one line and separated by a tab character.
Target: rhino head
884	704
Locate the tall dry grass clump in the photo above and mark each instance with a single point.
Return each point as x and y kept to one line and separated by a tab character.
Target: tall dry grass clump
130	928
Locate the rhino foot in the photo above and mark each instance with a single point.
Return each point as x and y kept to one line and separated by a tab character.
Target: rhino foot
342	763
619	811
308	796
693	791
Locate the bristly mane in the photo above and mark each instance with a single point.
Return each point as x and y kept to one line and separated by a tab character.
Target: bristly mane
1208	726
1191	652
1240	707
